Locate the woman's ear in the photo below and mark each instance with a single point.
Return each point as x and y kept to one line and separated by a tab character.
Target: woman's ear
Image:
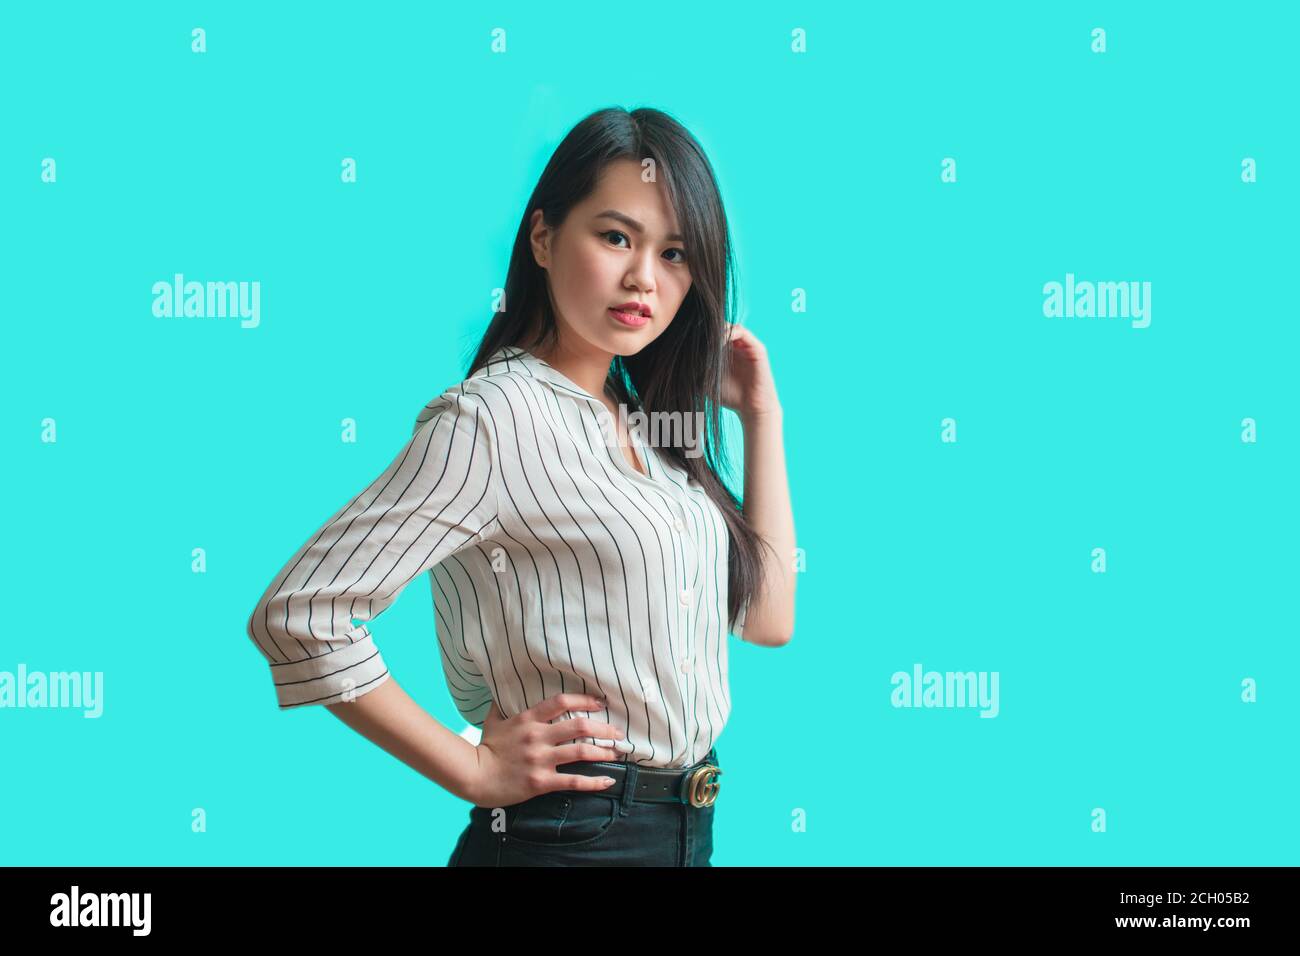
539	236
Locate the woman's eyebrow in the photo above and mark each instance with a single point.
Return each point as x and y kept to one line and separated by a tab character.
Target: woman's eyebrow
629	221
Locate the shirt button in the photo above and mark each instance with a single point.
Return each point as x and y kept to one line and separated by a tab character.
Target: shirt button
686	665
692	483
685	598
677	523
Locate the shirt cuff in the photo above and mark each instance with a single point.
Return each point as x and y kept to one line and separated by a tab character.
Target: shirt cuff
346	673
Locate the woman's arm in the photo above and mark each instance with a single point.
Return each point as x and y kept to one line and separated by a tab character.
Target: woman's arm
388	716
769	619
751	392
515	759
435	499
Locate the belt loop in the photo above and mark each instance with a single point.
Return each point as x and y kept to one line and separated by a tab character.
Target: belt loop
629	789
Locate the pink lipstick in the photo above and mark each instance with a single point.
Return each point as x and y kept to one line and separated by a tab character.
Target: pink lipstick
633	319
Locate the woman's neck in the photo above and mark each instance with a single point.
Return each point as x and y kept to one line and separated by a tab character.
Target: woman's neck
588	370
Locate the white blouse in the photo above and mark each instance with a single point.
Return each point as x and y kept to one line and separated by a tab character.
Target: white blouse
555	567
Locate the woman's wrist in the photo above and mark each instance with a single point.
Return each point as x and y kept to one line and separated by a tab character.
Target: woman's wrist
766	414
464	780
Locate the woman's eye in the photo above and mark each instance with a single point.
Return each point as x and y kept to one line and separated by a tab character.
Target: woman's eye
621	235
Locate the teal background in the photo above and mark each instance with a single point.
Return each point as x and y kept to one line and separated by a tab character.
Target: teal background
1118	690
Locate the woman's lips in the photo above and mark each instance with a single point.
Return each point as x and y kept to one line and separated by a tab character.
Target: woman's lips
634	319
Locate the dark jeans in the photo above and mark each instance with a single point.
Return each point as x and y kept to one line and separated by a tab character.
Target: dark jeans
589	828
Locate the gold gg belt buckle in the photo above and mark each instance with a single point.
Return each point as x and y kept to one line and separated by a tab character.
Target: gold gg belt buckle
702	786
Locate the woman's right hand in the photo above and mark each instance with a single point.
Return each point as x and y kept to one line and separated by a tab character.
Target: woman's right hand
517	757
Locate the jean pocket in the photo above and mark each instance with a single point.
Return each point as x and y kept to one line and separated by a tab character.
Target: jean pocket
562	818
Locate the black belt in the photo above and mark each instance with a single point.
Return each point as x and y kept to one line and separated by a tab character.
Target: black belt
696	785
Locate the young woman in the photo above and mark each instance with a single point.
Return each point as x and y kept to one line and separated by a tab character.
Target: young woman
586	565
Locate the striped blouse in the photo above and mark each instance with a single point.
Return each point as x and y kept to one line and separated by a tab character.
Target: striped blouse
555	566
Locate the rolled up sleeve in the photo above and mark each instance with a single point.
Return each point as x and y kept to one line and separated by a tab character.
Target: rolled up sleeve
437	497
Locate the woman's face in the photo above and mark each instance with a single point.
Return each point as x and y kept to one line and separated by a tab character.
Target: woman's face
619	245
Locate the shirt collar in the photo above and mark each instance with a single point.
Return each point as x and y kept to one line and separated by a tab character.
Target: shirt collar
539	369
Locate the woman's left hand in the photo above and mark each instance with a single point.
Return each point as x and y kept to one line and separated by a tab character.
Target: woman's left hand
747	385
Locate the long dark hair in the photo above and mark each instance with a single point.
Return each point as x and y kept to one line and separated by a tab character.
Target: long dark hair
681	370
